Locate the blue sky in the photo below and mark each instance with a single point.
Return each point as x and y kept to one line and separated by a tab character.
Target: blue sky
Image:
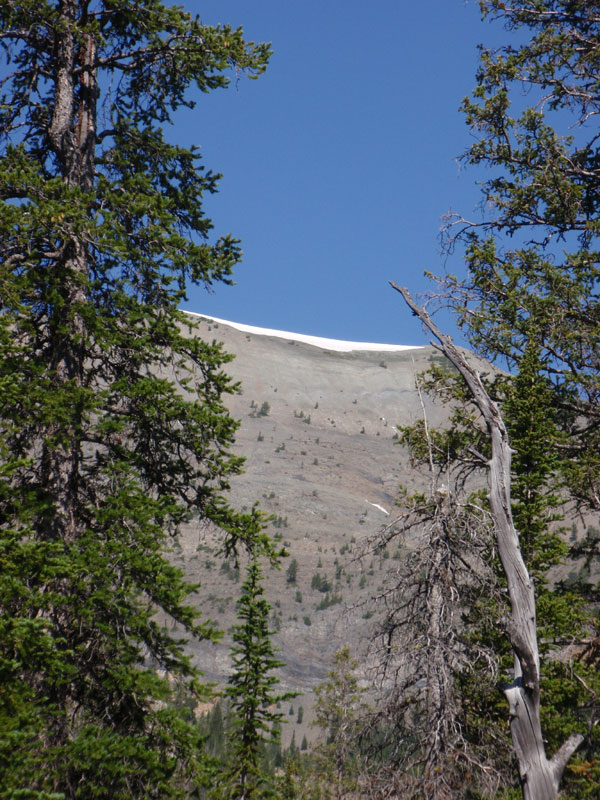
339	162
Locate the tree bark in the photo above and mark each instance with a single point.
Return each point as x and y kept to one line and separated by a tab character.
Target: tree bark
72	136
540	776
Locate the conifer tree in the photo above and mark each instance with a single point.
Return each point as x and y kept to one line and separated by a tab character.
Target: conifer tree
534	264
253	718
540	771
339	705
446	621
112	426
530	300
532	258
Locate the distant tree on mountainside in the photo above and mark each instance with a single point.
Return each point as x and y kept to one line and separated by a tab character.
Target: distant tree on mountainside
292	571
338	708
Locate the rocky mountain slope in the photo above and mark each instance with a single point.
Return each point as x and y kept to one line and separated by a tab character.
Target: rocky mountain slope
318	431
319	434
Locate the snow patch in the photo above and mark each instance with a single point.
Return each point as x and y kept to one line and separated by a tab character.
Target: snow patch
315	341
376	505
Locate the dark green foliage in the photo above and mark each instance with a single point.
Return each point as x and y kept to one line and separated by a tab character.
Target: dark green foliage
532	420
542	197
112	426
329	600
292	571
538	495
252	722
339	707
231	569
212	730
533	302
320	582
212	727
264	410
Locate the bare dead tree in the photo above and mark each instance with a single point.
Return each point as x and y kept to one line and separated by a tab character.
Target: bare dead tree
422	650
539	775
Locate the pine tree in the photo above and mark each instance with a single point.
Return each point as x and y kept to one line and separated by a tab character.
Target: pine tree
469	726
254	720
112	426
533	261
563	618
530	301
292	571
338	709
540	771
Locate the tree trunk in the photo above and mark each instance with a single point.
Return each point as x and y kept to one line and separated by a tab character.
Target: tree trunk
540	776
72	135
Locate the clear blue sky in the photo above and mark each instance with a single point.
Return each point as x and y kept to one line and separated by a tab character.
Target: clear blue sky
339	162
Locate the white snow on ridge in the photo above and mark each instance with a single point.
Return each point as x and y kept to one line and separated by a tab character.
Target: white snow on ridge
316	341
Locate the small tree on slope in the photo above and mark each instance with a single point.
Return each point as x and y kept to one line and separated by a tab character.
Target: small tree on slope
252	721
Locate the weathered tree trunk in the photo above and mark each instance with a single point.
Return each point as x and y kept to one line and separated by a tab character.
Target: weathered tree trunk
540	776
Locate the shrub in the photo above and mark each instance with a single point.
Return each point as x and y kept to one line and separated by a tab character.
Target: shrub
264	410
320	583
329	600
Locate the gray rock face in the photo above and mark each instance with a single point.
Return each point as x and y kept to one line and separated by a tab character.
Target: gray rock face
317	431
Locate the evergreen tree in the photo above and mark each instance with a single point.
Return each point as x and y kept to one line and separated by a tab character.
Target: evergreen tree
530	301
563	618
533	270
533	262
464	617
253	722
292	571
339	705
112	427
540	772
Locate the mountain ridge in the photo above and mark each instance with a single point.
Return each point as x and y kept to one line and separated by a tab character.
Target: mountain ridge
340	345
